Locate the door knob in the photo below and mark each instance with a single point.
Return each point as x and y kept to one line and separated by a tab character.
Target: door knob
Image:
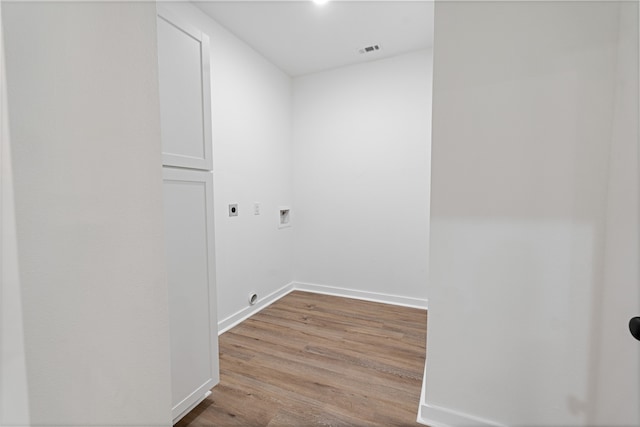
634	327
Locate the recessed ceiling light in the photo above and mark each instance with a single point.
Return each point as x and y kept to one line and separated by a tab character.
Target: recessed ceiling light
321	2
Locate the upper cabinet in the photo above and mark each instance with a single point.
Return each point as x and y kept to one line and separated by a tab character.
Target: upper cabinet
185	93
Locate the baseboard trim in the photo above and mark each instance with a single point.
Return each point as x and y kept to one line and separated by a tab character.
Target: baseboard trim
436	416
225	324
423	391
362	295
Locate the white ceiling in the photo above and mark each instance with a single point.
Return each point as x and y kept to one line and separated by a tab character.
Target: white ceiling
301	37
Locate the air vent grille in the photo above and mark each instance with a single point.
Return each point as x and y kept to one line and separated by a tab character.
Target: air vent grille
370	49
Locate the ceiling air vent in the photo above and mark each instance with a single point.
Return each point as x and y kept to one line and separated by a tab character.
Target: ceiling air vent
370	49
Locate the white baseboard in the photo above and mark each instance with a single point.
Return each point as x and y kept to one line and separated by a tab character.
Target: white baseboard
362	295
225	324
423	391
435	416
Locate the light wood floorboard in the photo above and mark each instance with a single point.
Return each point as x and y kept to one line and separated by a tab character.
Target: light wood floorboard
319	360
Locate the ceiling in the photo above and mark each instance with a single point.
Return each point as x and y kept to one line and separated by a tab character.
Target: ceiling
301	37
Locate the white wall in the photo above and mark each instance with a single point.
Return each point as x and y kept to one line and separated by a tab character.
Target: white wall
251	109
84	293
361	177
522	131
615	354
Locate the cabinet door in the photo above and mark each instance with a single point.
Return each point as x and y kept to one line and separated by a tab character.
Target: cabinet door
188	210
185	93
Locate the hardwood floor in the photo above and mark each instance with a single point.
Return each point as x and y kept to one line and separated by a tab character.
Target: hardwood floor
311	359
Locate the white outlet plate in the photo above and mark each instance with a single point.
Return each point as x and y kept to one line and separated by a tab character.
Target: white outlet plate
256	208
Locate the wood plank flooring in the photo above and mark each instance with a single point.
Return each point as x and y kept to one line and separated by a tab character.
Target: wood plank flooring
318	360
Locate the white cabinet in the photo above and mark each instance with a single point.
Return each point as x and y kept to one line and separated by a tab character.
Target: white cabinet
185	93
188	210
185	112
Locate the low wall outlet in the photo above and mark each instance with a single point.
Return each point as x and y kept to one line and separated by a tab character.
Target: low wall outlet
233	209
256	208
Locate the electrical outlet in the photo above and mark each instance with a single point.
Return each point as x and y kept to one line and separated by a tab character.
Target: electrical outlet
233	209
256	208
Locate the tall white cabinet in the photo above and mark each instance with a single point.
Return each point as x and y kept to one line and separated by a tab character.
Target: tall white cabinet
183	64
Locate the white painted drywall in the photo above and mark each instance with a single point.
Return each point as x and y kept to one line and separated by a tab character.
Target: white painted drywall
524	96
615	355
86	277
361	176
14	395
251	109
304	38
